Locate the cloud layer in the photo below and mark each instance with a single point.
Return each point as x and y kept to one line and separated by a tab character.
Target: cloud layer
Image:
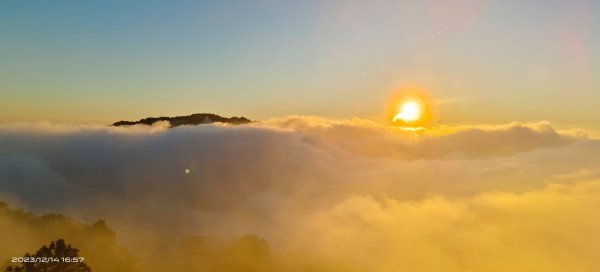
349	193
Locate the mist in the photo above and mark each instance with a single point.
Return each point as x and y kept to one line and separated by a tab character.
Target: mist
309	193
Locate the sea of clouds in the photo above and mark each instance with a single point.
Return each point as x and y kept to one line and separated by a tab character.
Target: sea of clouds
513	197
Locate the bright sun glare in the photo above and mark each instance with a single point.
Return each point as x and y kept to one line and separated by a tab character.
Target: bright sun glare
409	112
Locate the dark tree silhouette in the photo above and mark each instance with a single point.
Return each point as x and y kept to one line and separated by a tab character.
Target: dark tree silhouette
59	257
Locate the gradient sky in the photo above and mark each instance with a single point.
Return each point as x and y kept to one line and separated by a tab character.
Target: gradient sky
486	61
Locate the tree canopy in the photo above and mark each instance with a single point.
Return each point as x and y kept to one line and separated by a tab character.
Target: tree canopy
57	257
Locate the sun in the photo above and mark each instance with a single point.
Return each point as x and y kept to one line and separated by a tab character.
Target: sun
410	111
411	107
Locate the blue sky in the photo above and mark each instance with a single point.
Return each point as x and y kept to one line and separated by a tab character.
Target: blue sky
485	61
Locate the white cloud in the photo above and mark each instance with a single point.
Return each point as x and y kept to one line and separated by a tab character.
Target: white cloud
392	198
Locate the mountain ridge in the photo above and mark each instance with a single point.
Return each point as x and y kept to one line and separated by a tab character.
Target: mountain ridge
193	119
